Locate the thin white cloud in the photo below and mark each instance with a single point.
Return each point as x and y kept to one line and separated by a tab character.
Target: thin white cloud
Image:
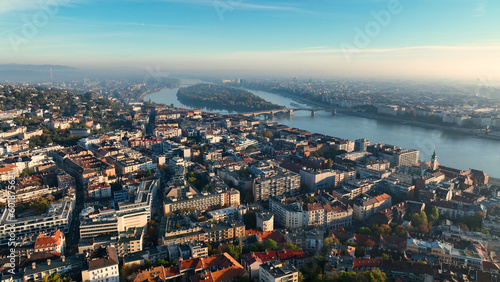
322	50
237	4
149	25
480	9
27	5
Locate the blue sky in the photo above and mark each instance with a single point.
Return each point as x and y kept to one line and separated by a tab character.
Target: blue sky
444	38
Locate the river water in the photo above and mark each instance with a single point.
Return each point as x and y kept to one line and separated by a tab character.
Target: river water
453	149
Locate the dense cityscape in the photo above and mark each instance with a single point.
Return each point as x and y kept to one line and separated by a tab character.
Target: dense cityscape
100	186
249	141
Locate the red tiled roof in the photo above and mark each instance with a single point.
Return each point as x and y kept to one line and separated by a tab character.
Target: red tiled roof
158	273
366	263
360	239
187	264
264	236
393	239
43	241
490	265
263	257
227	268
313	207
221	267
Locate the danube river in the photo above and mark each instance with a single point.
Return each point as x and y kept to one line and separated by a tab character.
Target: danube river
453	149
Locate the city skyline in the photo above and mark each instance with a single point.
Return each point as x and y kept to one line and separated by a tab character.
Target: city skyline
408	39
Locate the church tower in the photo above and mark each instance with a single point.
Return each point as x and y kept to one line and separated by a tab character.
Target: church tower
434	163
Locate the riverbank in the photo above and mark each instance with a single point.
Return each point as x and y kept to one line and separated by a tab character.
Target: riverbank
465	131
468	132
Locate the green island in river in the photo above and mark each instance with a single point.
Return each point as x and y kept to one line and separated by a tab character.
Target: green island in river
223	98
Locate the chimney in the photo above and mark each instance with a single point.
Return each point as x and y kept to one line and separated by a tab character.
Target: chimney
33	265
48	262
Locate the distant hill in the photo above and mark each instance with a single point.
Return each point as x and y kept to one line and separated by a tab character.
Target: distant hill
37	73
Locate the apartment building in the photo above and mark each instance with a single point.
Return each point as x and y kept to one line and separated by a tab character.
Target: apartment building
441	250
50	243
143	194
252	261
318	179
292	213
271	180
365	206
277	271
220	232
130	241
125	166
102	265
94	223
202	201
82	164
58	217
228	214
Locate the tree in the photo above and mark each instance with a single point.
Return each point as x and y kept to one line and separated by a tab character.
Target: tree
309	200
352	244
40	205
463	226
423	217
400	231
329	164
424	228
233	251
360	252
254	248
56	277
365	230
267	134
479	215
251	220
369	243
244	279
252	148
347	276
270	245
375	275
386	256
301	277
386	229
415	220
26	172
126	270
328	241
420	222
434	215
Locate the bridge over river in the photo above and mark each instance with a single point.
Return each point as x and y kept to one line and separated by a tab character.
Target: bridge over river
272	113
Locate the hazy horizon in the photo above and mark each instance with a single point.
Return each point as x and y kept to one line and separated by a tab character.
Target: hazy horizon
440	39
